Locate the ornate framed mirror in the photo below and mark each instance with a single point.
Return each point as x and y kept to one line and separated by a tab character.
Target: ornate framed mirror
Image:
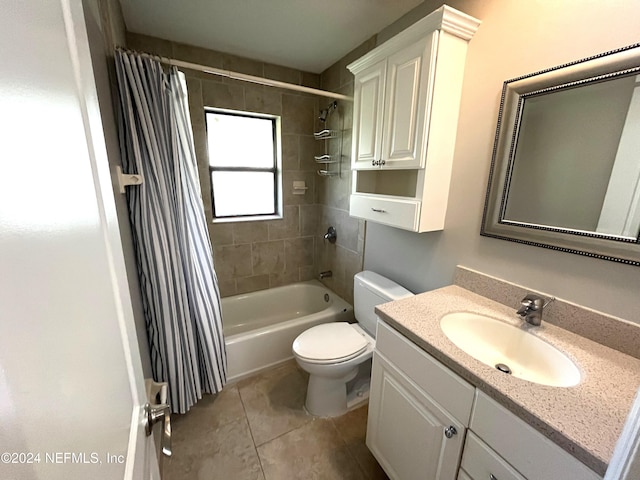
565	172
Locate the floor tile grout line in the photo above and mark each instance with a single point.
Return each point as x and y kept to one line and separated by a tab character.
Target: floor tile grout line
311	420
253	440
215	396
354	458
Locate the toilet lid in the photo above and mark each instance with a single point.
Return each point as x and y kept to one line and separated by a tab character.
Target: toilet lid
330	342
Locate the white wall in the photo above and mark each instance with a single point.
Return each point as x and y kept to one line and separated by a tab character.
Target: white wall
515	38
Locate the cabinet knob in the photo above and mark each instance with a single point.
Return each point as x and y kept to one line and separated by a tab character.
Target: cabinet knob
450	431
382	162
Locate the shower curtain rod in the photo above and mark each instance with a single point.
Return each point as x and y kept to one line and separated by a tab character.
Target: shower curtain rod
250	78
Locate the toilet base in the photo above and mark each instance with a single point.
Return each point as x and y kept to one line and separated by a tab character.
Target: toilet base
332	397
358	388
327	397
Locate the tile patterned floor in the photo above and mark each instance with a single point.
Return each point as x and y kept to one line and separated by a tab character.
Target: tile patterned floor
257	429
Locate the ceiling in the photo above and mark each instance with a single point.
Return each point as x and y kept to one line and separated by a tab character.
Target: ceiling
302	34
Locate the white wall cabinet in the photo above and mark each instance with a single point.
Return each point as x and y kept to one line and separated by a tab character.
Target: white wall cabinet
369	88
414	399
406	101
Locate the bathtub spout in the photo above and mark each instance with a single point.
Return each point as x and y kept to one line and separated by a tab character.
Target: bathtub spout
326	274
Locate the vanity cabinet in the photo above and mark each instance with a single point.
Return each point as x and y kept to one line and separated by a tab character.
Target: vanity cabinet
409	431
416	404
406	101
520	446
482	463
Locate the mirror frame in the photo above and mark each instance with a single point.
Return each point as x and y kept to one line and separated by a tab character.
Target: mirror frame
608	65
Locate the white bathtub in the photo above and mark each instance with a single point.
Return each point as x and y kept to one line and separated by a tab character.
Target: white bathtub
260	327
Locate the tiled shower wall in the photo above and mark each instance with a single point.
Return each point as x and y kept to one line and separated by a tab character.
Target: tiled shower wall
345	258
256	255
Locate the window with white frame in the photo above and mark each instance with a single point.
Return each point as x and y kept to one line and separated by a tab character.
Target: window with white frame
244	165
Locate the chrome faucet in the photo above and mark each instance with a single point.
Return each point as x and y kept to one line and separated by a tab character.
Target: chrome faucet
326	274
531	308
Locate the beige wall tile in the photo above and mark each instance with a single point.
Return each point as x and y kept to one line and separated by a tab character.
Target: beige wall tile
252	284
232	261
282	74
346	226
310	147
290	152
288	226
334	191
308	273
267	257
298	252
308	220
249	232
298	114
284	278
222	95
202	56
352	263
194	93
287	187
330	78
311	80
347	89
221	233
227	287
242	65
263	100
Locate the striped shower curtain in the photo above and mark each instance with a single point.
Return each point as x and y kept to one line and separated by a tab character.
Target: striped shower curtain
179	286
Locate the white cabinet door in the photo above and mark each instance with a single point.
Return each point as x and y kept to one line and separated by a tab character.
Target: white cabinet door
367	117
407	105
406	429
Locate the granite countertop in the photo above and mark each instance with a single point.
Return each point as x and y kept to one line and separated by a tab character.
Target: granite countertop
585	420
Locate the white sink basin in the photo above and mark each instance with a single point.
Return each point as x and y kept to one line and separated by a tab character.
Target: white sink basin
494	342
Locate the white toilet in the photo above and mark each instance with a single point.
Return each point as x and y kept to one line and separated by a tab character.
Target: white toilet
334	353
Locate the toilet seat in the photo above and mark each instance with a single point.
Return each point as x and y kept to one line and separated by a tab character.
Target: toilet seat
330	343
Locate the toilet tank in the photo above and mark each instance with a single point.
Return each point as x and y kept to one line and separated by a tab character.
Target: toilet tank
369	290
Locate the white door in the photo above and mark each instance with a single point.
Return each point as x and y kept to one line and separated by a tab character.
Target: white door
71	386
411	436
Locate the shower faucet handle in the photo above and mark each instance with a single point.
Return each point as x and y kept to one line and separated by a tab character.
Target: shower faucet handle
331	235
